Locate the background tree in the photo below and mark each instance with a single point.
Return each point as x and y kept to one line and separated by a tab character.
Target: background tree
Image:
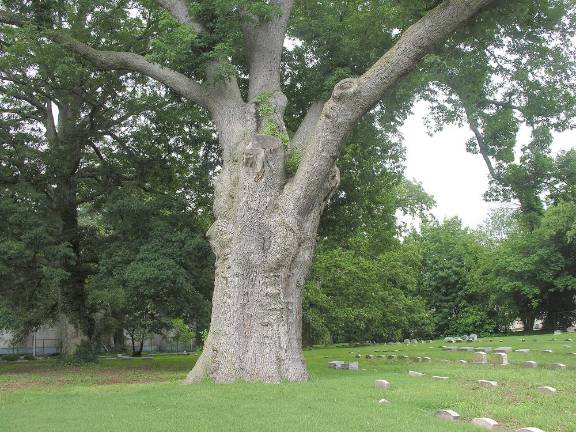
524	79
450	255
68	146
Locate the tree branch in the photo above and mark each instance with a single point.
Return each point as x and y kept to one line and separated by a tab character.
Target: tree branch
484	151
352	98
417	41
264	43
10	19
51	131
113	60
179	11
307	127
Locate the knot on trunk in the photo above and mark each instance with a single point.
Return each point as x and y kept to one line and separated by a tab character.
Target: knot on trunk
258	152
345	88
331	185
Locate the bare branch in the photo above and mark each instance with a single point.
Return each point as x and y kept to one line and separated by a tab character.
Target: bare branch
113	60
179	10
484	151
97	151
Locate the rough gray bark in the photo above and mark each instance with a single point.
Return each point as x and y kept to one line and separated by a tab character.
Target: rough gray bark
265	230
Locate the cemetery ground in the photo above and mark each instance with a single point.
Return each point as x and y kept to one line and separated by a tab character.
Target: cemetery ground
146	395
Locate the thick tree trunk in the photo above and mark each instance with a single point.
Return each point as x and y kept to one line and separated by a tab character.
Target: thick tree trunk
66	144
264	251
119	340
70	336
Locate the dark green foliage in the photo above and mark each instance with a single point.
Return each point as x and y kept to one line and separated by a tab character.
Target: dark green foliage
86	352
10	357
450	255
155	265
350	297
114	134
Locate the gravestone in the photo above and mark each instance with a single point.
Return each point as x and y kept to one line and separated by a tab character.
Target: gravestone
383	401
467	349
530	429
426	359
392	357
483	349
415	374
503	350
530	364
488	383
449	339
485	423
523	350
406	341
462	361
439	378
501	359
414	341
472	337
548	351
480	358
546	389
558	366
450	348
557	332
382	384
336	364
448	415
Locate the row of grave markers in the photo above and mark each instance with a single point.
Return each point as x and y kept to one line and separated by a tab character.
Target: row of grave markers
447	414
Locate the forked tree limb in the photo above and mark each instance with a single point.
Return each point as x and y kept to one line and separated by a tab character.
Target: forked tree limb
352	98
116	60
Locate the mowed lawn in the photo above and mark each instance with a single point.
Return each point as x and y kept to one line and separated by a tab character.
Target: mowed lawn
145	395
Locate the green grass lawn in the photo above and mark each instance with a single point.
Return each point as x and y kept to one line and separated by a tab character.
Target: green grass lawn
140	395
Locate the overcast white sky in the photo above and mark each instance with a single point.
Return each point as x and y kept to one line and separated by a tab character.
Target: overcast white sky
456	178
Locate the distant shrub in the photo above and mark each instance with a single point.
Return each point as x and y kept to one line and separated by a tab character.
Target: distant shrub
86	352
28	357
11	357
